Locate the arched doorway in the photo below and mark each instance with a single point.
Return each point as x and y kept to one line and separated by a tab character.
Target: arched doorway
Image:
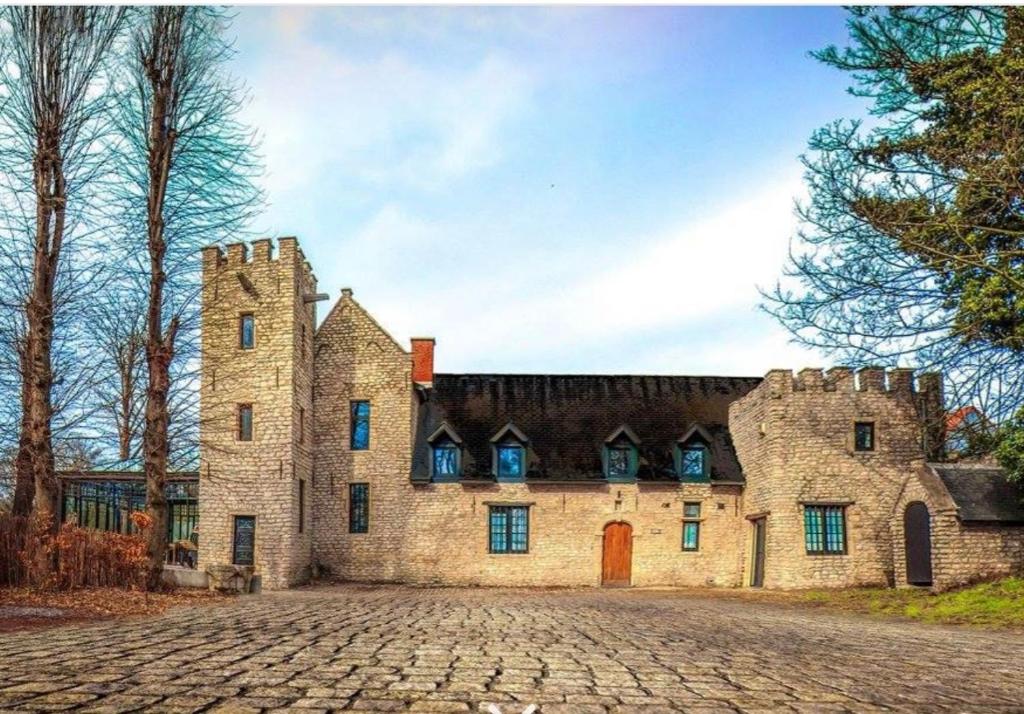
617	556
917	538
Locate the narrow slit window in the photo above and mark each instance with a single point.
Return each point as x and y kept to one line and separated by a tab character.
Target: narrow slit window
358	508
691	526
243	549
245	422
302	505
359	437
247	331
302	425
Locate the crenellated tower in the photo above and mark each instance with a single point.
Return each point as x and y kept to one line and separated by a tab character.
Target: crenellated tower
256	406
835	446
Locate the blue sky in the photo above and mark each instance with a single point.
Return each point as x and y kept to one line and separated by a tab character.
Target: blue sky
547	189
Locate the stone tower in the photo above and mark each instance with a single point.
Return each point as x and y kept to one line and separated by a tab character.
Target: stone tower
795	437
256	406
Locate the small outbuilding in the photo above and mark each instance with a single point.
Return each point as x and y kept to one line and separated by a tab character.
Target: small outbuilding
957	523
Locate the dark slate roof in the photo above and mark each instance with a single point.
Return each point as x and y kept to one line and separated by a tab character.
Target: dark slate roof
982	493
567	419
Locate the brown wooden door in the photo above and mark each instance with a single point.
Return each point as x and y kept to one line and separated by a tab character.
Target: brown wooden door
617	560
917	537
757	577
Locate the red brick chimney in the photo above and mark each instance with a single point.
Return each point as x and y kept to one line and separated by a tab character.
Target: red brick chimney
423	360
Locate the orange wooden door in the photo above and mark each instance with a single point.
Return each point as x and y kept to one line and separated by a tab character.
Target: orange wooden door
617	559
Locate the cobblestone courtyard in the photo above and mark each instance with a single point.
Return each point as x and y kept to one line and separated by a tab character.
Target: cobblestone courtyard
393	648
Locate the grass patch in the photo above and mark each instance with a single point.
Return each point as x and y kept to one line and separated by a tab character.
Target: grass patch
995	604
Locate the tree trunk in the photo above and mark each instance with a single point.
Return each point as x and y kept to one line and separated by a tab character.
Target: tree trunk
160	67
36	447
24	480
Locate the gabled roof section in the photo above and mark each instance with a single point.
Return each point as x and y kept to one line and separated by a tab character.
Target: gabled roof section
445	430
346	310
982	493
568	418
695	430
509	428
625	431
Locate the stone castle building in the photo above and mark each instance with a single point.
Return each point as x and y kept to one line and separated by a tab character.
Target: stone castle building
334	450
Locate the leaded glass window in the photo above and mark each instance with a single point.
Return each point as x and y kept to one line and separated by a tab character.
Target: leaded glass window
510	461
693	461
825	530
620	461
864	436
358	507
359	438
244	545
509	529
247	331
446	461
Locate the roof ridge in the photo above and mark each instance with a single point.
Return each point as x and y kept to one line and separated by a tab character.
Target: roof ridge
597	375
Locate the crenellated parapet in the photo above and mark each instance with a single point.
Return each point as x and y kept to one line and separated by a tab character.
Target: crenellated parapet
244	256
897	381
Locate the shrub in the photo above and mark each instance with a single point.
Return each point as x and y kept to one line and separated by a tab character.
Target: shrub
73	557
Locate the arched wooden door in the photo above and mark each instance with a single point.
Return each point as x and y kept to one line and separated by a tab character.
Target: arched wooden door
917	538
617	557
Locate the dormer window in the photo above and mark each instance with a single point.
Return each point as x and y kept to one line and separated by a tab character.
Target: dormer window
693	455
510	461
693	461
508	453
619	458
446	454
621	455
446	461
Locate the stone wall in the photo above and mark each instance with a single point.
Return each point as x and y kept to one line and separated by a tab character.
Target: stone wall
438	533
962	553
260	477
794	439
357	360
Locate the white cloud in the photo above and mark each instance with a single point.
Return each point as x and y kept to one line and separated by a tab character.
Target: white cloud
682	301
386	120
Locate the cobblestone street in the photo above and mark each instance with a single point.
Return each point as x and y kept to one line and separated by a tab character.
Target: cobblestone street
393	648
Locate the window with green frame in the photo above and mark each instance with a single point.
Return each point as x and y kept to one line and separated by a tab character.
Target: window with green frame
825	530
510	460
509	529
620	461
691	526
692	461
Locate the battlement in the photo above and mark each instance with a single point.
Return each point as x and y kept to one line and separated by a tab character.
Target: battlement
263	250
845	379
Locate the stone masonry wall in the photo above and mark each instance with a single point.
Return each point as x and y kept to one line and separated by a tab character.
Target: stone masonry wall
794	439
357	360
566	530
260	477
438	533
961	553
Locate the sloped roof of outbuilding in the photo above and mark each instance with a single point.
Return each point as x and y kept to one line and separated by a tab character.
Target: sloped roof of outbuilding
566	419
982	493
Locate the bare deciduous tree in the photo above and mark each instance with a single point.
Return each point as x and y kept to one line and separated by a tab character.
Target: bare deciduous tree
187	171
51	123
